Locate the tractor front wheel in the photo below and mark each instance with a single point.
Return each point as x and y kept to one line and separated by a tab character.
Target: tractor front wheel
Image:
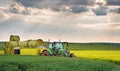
45	53
72	55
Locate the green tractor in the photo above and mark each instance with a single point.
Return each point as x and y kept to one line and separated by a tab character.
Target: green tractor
57	49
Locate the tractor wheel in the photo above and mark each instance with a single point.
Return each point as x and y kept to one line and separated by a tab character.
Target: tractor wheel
45	53
72	55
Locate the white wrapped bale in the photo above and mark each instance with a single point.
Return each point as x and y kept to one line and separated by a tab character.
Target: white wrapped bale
35	43
14	38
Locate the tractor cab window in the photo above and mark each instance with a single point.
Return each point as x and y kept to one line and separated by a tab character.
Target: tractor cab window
57	45
60	45
50	45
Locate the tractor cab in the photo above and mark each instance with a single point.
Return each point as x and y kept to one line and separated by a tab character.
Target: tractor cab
57	45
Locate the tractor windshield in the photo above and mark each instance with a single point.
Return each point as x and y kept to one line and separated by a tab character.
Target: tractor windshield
59	45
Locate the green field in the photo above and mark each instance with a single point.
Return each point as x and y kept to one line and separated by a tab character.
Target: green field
38	63
2	45
90	57
94	46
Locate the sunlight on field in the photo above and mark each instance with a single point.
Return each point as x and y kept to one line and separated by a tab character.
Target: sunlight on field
98	54
1	52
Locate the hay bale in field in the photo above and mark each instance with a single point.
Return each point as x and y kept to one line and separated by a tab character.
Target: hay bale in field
35	43
7	51
6	44
14	38
6	48
10	46
23	44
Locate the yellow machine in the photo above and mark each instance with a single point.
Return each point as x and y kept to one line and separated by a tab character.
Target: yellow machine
31	51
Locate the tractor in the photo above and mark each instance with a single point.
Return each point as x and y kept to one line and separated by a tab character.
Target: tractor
57	49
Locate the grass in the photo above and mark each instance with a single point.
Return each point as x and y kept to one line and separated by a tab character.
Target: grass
2	45
38	63
94	46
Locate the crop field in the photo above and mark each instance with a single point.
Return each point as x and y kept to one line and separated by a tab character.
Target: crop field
94	46
89	57
1	52
39	63
113	55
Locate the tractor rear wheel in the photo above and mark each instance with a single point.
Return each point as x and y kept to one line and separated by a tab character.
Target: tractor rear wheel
45	53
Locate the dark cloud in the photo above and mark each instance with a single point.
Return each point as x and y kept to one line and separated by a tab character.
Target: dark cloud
77	9
18	9
77	6
59	3
119	10
54	4
45	3
14	8
100	10
113	2
115	10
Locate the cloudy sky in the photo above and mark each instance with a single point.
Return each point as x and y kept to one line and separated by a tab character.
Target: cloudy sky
68	20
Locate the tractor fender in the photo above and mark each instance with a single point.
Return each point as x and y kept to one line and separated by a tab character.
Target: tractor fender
50	51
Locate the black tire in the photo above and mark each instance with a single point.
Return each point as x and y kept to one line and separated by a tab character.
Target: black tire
72	55
45	53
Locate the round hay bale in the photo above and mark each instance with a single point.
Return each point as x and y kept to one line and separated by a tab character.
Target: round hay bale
13	44
14	38
35	43
6	50
10	46
23	44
